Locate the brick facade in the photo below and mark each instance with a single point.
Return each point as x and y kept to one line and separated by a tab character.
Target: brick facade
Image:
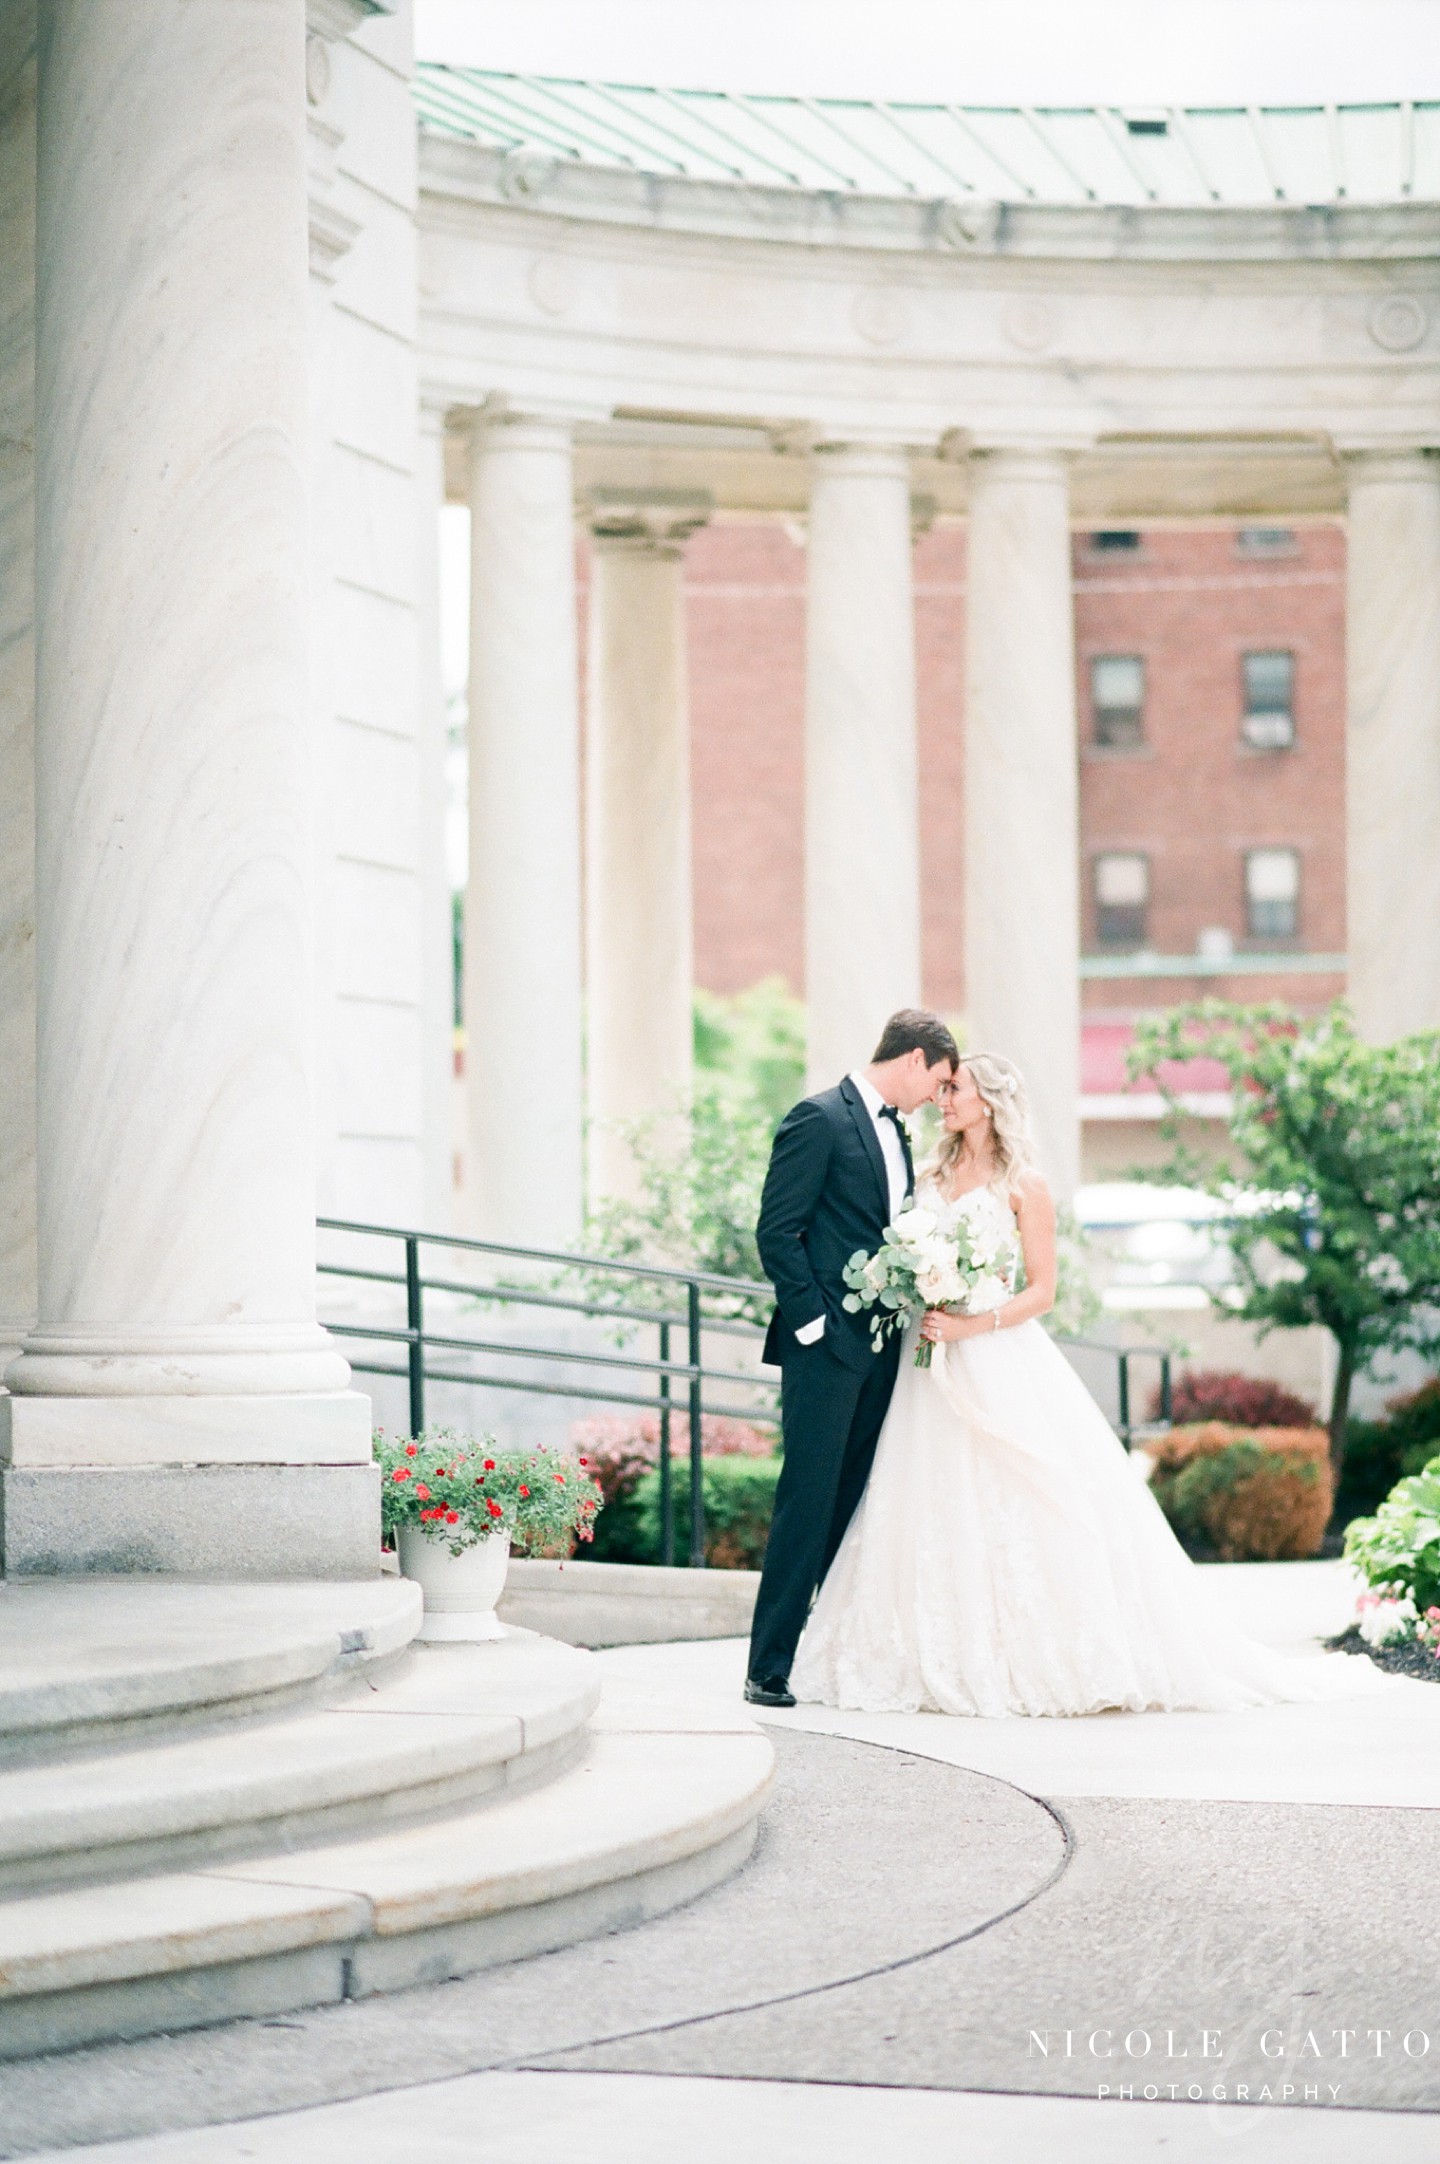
1192	798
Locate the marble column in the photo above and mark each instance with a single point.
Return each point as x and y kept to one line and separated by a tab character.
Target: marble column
437	934
176	1331
1392	638
17	674
639	913
862	839
523	1086
1022	928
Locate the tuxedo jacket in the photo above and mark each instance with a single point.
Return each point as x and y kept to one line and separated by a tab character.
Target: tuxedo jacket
826	1194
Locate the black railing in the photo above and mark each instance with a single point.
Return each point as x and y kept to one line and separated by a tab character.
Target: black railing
553	1283
551	1278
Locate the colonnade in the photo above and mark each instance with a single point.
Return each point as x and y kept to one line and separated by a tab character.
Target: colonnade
524	1104
862	863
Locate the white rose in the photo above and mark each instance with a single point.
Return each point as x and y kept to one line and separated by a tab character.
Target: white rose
987	1292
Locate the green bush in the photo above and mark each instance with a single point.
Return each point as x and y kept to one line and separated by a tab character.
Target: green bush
739	1499
1397	1551
1380	1452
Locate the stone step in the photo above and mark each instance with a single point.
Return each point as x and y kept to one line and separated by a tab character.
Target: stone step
662	1805
82	1660
444	1724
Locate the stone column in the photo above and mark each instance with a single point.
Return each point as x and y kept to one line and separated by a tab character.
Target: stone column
862	838
1392	639
523	1092
437	955
639	929
1022	921
17	675
176	1406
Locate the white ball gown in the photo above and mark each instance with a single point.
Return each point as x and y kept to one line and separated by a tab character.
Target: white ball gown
1007	1556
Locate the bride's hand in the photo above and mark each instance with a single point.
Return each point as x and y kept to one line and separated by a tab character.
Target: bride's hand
942	1328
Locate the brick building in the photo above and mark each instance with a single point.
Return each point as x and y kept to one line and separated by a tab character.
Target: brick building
1210	664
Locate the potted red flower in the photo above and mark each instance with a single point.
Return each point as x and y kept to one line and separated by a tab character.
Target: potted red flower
453	1504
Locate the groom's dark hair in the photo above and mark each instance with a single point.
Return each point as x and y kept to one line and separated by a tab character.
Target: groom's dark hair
914	1029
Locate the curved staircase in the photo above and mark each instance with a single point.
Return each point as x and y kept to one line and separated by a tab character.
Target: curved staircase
222	1800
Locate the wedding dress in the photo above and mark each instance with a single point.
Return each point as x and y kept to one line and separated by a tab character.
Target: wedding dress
1007	1556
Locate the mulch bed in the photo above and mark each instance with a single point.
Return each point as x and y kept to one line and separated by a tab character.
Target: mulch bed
1407	1659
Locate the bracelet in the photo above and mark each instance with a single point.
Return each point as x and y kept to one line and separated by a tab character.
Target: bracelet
997	1318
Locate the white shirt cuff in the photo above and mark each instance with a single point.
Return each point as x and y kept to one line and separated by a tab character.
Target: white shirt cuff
812	1332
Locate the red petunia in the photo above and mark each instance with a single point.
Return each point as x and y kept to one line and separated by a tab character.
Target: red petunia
559	1479
489	1465
494	1507
412	1450
422	1491
584	1461
524	1490
452	1517
401	1472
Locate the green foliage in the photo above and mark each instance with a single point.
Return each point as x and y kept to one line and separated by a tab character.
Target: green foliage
1380	1452
1397	1551
1334	1177
1189	1495
461	1488
701	1166
739	1501
750	1049
1077	1306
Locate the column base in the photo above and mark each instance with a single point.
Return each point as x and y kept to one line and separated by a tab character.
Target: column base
329	1427
198	1521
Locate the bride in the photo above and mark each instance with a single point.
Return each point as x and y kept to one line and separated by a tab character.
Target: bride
1007	1557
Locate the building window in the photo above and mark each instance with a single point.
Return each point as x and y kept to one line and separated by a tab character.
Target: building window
1115	541
1269	723
1122	898
1272	893
1266	541
1117	694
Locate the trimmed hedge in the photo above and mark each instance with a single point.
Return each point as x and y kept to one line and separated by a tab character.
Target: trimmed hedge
1244	1494
739	1499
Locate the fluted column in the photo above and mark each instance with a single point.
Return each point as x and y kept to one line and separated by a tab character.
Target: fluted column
523	1093
639	930
17	676
173	777
862	841
1392	637
1022	927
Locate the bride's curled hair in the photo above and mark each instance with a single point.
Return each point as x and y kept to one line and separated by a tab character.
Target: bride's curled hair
1002	1086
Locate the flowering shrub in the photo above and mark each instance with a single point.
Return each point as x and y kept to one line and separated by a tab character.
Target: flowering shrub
1245	1401
619	1447
459	1489
622	1448
1397	1552
1248	1495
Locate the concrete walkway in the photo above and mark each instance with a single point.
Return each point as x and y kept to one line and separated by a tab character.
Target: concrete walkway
956	1935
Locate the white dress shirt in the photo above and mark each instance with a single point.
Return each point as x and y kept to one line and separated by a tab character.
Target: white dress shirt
888	1136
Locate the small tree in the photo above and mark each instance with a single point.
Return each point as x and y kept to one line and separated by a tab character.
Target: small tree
1336	1196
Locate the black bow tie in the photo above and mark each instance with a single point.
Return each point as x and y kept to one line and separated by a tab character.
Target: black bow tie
891	1112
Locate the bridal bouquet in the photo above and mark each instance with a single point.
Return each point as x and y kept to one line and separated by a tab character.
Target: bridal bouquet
923	1264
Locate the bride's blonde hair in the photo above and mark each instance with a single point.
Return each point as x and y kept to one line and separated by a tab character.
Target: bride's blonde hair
1002	1086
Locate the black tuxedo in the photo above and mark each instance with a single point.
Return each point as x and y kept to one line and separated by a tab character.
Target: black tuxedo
826	1195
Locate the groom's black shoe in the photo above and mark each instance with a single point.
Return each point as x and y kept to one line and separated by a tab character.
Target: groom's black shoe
768	1691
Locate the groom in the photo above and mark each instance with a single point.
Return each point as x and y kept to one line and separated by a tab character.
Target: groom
839	1171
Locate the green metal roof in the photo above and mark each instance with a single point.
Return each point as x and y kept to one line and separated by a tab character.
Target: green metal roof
1180	155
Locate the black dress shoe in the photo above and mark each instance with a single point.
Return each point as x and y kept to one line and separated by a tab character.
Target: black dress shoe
768	1691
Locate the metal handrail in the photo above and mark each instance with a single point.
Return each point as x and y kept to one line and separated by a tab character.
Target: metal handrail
680	1384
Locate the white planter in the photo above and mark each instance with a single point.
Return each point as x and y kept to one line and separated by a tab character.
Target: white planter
460	1590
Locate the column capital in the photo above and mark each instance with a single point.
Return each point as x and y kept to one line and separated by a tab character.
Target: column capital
1014	451
1408	460
861	455
647	521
